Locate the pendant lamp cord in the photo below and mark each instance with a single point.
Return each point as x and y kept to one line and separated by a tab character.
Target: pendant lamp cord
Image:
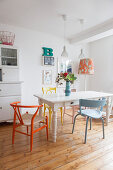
64	29
82	27
64	18
82	24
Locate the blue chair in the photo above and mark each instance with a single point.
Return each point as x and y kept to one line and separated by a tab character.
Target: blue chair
91	112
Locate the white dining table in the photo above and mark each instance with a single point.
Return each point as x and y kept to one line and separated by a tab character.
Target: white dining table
60	100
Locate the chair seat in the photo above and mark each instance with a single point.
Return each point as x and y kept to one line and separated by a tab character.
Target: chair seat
27	119
76	107
92	113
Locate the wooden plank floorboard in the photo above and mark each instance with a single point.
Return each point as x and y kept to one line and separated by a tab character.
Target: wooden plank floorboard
85	159
69	152
69	157
99	162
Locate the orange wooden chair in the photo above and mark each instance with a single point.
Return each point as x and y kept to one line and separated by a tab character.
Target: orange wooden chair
28	120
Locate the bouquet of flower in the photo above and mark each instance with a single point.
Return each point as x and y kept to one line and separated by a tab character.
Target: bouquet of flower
65	77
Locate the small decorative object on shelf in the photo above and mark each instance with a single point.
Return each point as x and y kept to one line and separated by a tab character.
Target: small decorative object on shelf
69	78
7	38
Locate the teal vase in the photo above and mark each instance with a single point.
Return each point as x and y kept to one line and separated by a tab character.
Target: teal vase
67	90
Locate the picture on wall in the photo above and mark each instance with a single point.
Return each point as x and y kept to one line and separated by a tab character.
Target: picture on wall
69	67
49	61
62	67
65	66
47	77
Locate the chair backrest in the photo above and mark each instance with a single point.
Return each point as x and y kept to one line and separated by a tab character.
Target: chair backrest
92	103
73	90
48	89
17	112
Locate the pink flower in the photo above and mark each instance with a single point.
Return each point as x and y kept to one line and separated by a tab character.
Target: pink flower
61	74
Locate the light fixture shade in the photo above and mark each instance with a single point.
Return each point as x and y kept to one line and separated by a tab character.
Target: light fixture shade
64	52
86	66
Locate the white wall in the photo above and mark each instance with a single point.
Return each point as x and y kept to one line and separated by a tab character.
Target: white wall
30	45
102	53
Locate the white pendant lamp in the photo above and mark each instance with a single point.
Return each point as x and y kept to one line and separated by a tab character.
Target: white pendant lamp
64	52
81	54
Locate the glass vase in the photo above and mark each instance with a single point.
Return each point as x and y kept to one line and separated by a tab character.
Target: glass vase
68	89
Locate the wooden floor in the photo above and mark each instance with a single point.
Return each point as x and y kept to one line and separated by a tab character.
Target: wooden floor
69	152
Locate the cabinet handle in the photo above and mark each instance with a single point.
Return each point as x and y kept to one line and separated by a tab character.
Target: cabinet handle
3	73
0	89
0	107
72	102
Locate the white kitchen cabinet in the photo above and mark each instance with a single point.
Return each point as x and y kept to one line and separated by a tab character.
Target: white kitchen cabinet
6	111
8	56
10	89
10	86
10	74
9	92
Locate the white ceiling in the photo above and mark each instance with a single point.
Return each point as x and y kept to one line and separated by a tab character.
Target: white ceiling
44	15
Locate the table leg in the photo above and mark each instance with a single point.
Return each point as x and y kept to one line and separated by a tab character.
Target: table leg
108	109
54	124
40	110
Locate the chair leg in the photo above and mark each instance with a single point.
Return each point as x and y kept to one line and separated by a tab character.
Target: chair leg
44	110
64	111
86	130
49	117
31	142
90	123
61	110
14	124
74	122
27	129
47	127
103	127
13	135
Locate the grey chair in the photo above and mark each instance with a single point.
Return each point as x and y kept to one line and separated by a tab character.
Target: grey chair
90	112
